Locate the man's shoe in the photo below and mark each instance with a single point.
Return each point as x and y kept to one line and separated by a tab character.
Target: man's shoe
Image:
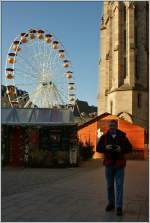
110	207
119	212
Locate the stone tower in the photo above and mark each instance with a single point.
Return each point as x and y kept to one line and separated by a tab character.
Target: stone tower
124	61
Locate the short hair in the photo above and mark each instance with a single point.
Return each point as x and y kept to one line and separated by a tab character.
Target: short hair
113	121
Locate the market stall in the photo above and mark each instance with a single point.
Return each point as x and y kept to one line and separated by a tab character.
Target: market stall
38	137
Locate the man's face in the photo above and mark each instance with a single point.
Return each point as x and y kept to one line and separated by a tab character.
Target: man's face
112	126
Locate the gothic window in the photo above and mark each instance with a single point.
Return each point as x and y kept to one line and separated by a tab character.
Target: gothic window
136	67
139	100
125	42
125	70
135	26
147	37
124	13
147	24
111	107
136	40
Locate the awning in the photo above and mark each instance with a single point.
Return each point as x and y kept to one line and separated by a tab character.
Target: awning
36	116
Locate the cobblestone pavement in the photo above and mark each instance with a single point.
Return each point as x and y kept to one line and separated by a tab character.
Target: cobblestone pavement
71	194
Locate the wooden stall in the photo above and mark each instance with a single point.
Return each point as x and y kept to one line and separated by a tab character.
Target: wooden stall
37	137
92	130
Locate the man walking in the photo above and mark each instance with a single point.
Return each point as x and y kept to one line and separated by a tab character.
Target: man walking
114	145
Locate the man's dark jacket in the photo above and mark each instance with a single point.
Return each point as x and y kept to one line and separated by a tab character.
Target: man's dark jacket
112	157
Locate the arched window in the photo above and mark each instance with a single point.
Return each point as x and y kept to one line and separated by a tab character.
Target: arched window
147	25
135	25
139	100
147	36
125	41
136	40
111	107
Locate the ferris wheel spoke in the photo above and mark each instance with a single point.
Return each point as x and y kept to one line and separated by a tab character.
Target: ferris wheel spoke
51	58
33	55
52	61
50	52
28	63
55	58
44	57
54	72
47	54
27	72
57	67
25	75
38	55
23	84
27	68
48	63
39	51
53	54
31	50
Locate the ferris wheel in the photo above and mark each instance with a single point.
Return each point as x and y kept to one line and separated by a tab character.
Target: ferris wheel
38	64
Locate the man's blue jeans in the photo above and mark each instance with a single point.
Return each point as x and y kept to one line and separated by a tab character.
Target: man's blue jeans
115	174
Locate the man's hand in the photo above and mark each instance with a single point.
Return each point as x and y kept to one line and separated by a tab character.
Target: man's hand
108	147
118	149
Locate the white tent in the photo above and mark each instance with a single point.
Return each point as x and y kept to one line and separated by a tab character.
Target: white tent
33	116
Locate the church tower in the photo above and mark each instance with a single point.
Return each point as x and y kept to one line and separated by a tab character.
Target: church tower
124	61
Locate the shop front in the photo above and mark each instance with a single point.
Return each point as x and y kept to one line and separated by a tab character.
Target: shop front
39	139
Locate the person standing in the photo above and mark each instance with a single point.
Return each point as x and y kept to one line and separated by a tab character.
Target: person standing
114	145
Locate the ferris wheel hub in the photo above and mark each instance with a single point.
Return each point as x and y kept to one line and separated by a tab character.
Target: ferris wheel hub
47	83
44	83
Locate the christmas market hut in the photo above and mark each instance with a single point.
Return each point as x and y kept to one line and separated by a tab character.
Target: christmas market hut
38	137
93	129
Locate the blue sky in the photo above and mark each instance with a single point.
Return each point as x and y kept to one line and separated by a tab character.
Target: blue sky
76	24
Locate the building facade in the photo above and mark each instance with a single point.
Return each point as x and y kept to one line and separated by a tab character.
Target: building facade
124	61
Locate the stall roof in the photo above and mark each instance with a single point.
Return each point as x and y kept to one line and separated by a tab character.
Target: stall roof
36	116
